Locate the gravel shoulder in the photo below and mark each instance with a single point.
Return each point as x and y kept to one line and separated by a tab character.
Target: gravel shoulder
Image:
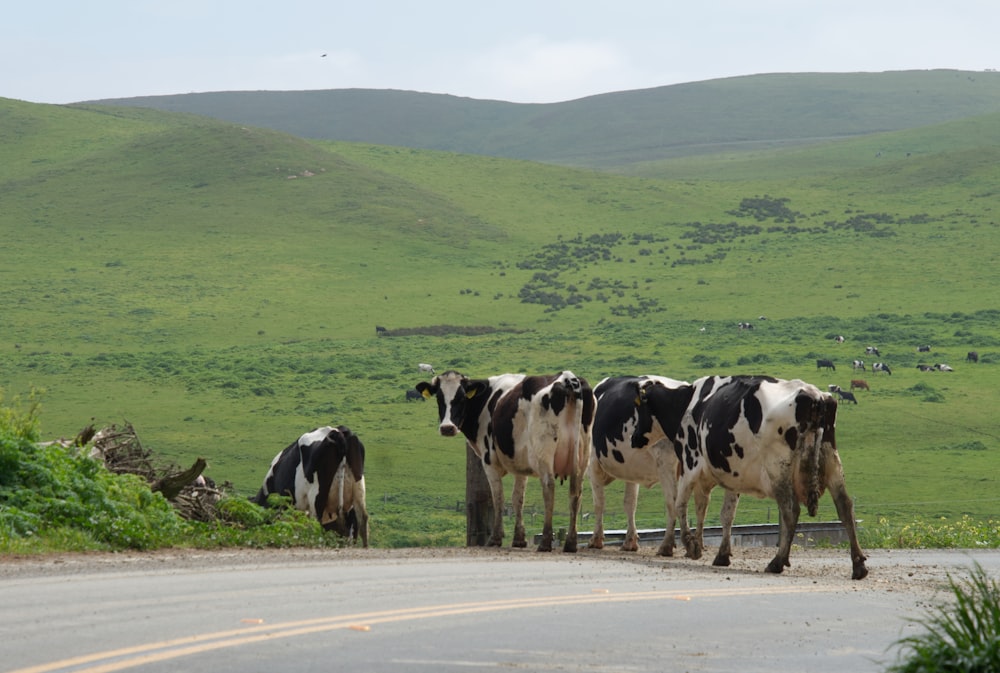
921	572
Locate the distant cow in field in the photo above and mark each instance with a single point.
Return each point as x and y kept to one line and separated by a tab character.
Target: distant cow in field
859	384
847	397
972	356
828	364
765	437
923	349
323	473
881	367
425	368
858	364
871	350
413	395
380	331
839	339
943	368
745	325
925	368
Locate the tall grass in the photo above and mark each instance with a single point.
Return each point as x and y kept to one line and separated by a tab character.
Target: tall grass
960	637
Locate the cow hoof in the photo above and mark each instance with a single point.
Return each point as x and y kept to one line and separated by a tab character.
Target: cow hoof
569	548
544	547
665	550
860	571
631	545
595	543
775	566
693	553
519	544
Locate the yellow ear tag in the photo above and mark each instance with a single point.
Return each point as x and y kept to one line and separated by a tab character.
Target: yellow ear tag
426	393
469	394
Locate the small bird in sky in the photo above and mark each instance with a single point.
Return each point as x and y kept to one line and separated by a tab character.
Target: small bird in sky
323	56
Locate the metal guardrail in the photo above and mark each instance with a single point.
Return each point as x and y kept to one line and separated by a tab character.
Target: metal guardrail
807	534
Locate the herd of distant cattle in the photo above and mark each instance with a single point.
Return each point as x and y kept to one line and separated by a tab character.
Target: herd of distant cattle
757	435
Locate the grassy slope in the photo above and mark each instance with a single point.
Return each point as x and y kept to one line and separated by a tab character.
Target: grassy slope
168	272
617	129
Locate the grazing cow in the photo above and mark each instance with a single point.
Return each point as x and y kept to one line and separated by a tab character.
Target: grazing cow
614	457
871	350
943	368
925	368
527	426
839	339
859	384
425	368
858	364
881	367
745	325
826	363
846	396
832	387
923	349
380	331
413	395
767	437
972	356
323	472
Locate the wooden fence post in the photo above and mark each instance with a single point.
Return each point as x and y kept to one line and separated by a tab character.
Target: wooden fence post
478	501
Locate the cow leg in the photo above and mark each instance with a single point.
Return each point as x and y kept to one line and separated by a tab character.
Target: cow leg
727	516
575	492
692	543
631	500
845	510
788	514
598	480
495	480
549	498
669	487
517	499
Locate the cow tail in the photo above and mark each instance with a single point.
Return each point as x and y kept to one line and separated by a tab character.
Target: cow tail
818	433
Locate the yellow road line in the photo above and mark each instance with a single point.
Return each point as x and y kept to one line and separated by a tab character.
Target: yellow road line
138	655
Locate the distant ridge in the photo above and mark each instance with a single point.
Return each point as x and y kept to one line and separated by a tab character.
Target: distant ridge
614	129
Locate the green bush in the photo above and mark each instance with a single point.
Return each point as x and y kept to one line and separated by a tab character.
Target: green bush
963	637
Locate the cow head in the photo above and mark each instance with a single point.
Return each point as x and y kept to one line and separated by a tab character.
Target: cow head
453	392
659	405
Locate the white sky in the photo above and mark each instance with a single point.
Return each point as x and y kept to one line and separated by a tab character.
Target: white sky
536	51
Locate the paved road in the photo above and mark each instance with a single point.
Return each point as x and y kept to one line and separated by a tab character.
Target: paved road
463	610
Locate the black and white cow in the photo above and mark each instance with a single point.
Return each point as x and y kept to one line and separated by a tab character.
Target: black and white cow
323	472
871	350
764	436
881	367
858	364
522	425
615	457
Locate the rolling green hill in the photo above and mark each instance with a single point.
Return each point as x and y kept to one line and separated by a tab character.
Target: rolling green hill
218	286
615	130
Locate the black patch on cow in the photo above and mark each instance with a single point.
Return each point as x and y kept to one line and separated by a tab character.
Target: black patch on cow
721	411
792	438
617	455
615	408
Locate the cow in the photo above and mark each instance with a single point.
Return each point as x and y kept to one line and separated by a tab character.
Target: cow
763	436
413	395
614	457
972	356
839	339
943	368
425	368
881	367
859	384
826	363
380	331
871	350
923	349
858	364
846	396
925	368
745	325
523	425
323	473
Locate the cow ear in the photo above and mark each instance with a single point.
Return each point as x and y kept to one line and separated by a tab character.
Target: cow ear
474	390
425	389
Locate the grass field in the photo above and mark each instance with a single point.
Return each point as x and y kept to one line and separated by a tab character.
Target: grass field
170	271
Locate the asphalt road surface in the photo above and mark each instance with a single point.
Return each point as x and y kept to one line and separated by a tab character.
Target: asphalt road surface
447	610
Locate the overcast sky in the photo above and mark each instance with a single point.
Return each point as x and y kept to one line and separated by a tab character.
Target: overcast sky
539	51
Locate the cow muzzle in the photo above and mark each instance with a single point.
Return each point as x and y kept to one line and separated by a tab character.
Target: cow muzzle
448	430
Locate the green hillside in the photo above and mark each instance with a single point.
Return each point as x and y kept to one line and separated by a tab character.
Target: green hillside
615	130
218	286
